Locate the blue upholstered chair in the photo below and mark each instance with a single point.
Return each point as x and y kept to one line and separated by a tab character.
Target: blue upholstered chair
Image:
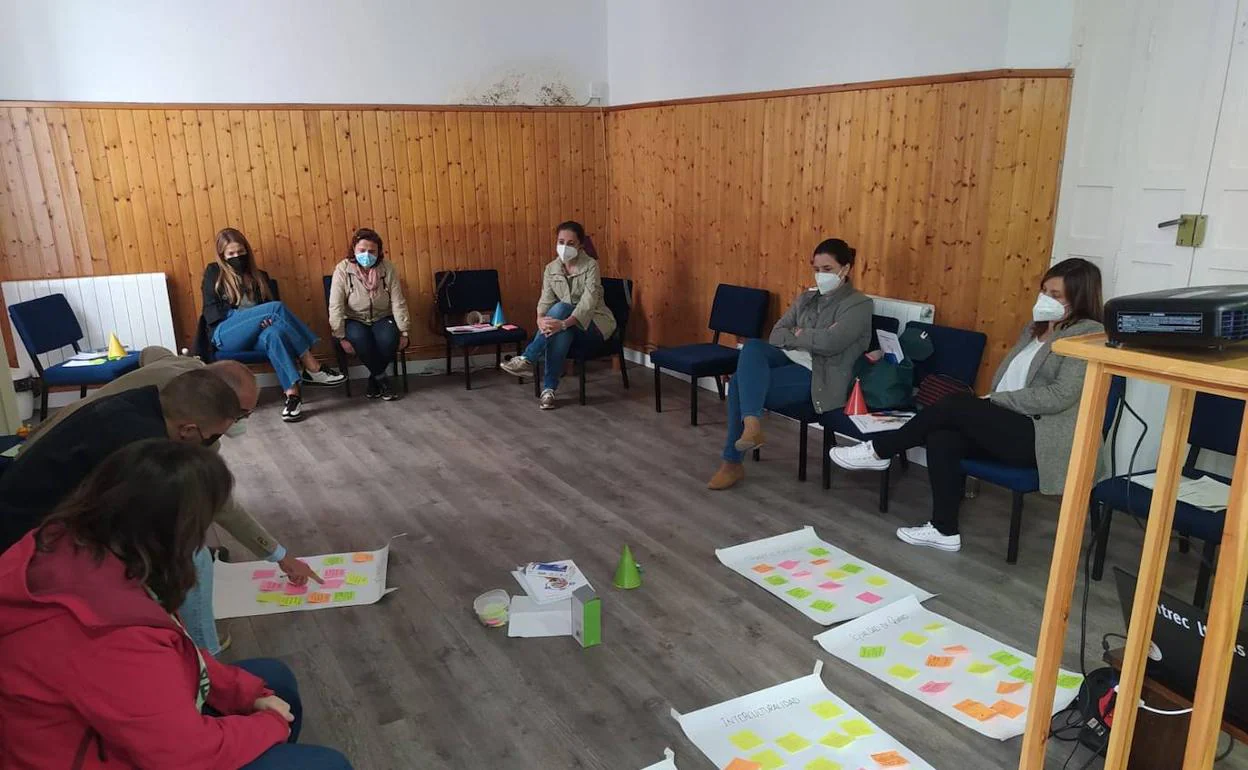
48	323
1022	481
462	291
207	353
618	294
737	310
956	353
1215	426
400	361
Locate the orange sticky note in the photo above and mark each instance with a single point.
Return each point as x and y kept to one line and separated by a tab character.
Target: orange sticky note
743	764
1005	688
318	598
889	759
939	661
957	649
975	710
1008	709
819	562
763	569
360	558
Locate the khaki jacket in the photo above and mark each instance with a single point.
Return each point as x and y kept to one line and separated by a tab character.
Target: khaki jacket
583	291
157	366
348	298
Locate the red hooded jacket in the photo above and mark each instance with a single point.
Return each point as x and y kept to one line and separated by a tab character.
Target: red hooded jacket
95	675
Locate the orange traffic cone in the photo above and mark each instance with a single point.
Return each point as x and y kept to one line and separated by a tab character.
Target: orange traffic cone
857	404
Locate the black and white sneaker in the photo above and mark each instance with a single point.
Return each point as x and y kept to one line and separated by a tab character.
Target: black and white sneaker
293	409
373	391
383	385
327	376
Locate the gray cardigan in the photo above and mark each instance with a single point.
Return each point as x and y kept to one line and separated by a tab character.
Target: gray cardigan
1051	399
836	329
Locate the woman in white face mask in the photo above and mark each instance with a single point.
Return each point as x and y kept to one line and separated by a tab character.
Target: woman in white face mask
807	360
1027	419
571	308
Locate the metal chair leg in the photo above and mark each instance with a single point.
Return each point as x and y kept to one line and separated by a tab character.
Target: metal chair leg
884	491
658	391
803	434
1185	544
1016	525
693	400
1208	558
467	370
537	379
580	370
448	357
827	459
43	401
498	356
624	370
1100	521
758	455
82	392
719	386
520	352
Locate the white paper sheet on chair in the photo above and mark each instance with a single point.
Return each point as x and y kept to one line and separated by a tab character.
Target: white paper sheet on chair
1205	492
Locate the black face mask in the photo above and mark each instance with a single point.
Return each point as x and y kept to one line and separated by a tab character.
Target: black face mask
207	440
238	264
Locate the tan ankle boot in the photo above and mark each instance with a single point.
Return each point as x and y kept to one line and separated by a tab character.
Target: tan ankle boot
727	475
751	435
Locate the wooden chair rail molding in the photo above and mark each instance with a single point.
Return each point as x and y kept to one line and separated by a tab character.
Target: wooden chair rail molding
945	184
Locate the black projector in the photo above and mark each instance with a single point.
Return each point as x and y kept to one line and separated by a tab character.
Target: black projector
1201	317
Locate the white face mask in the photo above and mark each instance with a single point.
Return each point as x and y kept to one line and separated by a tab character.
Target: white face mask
237	429
827	282
1047	309
566	253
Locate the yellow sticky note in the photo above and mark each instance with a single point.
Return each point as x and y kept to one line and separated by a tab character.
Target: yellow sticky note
768	760
290	601
858	728
268	598
746	740
792	743
902	671
822	764
836	574
827	709
357	580
913	639
836	740
876	580
933	626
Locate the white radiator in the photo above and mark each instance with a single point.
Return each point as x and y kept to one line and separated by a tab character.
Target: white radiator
136	307
904	311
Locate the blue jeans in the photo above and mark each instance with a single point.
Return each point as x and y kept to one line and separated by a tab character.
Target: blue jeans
288	756
765	375
283	341
196	609
375	345
555	347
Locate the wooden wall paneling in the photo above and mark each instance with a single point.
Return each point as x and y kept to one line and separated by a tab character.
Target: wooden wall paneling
62	242
163	186
82	244
42	259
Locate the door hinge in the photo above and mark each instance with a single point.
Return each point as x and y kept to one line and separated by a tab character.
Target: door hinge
1191	229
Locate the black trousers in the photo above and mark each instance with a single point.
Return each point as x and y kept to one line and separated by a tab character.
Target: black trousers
374	345
958	427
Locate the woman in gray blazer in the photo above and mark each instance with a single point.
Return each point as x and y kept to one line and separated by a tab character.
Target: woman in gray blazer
1027	420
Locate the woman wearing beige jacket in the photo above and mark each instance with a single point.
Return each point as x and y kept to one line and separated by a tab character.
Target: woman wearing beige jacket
367	312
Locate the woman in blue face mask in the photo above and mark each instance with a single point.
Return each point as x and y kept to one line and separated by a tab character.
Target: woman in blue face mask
367	311
807	360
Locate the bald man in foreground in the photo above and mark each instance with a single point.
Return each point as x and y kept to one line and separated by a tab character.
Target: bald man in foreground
158	366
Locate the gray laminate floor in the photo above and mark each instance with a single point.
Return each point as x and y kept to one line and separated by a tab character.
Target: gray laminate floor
482	480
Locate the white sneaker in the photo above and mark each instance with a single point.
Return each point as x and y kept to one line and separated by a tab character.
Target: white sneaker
858	457
518	366
324	376
929	536
547	400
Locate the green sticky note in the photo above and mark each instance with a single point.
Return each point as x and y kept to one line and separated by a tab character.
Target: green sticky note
851	568
876	580
357	580
859	728
746	740
902	671
836	740
1069	681
1025	674
768	760
792	743
836	574
290	601
823	605
933	627
799	592
822	764
980	668
913	639
818	551
827	709
776	580
268	598
871	652
1005	658
344	596
331	560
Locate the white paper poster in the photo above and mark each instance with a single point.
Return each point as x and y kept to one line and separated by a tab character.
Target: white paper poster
798	724
961	673
249	588
825	583
667	764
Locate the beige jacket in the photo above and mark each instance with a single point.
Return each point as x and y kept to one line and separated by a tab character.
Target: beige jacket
583	291
348	298
157	366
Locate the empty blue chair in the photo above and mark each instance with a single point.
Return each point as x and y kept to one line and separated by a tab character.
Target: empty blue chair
460	292
956	353
48	323
618	294
1215	426
1022	481
737	310
207	352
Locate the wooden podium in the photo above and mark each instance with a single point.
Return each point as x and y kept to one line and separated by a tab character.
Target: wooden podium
1186	372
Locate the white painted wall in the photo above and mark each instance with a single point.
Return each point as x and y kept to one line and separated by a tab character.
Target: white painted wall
354	51
667	49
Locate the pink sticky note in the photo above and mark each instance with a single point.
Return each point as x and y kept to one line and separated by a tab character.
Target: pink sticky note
270	585
790	564
869	597
831	585
802	574
333	572
509	327
935	688
293	590
332	584
263	574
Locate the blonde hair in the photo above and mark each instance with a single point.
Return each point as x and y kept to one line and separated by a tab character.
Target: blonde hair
234	286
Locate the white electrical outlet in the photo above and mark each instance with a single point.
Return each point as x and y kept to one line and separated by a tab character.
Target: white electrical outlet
597	90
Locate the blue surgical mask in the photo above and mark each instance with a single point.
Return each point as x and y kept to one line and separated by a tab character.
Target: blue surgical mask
366	259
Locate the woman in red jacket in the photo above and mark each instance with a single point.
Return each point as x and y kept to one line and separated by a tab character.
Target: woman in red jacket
98	672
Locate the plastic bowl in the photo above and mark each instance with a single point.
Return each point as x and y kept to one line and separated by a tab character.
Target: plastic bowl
492	608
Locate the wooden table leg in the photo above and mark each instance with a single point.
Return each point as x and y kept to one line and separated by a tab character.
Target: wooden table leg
1224	612
1079	480
1152	567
